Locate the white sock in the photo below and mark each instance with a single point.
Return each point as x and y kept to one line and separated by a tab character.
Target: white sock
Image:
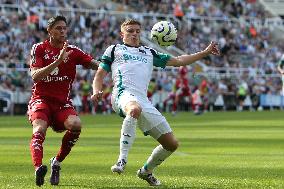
55	162
127	136
158	155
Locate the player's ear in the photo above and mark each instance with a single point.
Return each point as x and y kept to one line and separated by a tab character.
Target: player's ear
121	34
48	29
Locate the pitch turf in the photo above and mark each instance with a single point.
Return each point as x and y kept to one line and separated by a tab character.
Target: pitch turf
217	150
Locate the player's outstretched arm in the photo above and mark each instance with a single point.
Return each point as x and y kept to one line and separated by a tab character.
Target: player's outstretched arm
40	73
280	69
94	64
98	84
184	60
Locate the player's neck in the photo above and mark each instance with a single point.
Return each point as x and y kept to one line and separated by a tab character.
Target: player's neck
55	44
128	45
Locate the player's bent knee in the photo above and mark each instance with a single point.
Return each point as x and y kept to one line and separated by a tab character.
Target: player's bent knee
76	129
135	112
39	126
133	109
73	123
173	146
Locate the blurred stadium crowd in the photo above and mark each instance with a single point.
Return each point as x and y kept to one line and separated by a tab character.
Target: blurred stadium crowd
245	70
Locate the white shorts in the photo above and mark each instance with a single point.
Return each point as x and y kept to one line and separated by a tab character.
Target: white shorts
159	130
150	117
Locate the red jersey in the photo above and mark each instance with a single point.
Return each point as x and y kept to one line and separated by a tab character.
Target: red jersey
182	83
57	85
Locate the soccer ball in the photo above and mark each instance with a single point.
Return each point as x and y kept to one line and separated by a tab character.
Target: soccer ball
164	33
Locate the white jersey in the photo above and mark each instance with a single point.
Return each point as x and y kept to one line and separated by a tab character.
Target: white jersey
131	67
281	62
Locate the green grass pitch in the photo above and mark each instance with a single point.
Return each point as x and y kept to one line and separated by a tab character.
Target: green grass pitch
217	150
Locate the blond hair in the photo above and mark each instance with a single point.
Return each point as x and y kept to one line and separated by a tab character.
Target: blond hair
129	22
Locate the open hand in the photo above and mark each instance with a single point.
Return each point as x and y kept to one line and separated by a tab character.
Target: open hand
96	97
213	48
63	56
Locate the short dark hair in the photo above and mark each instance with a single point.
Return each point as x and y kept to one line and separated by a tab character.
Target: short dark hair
55	19
130	22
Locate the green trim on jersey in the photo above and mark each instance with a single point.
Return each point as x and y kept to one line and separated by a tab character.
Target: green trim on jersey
106	62
105	66
107	59
160	60
281	63
120	91
120	85
121	114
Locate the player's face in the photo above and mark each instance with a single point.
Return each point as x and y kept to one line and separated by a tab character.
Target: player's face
130	35
58	32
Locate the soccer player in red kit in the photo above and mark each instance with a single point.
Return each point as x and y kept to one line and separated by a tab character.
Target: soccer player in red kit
180	89
53	69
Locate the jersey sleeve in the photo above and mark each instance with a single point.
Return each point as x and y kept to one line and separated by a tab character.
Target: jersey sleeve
160	59
37	54
107	58
83	58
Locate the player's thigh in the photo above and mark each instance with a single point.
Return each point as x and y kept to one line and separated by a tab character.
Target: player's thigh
39	116
126	103
66	119
40	124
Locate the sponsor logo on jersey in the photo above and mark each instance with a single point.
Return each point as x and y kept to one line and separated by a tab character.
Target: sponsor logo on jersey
55	78
135	57
67	106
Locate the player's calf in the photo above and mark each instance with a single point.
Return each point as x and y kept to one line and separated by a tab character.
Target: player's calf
68	141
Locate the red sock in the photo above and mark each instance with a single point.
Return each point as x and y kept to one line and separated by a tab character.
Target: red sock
68	141
36	148
174	106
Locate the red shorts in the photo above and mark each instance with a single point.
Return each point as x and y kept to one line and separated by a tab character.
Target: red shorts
53	113
184	93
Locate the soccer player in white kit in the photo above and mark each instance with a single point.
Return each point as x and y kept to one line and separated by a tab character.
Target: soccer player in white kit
131	66
280	68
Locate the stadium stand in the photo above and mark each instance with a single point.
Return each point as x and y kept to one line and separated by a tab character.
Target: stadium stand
249	50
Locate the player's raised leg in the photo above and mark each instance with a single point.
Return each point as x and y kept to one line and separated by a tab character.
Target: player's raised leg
168	144
38	112
127	136
73	126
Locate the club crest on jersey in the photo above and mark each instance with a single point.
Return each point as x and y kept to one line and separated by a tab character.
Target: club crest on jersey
142	51
46	57
65	59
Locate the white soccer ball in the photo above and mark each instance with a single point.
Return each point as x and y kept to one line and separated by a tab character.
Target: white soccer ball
164	33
